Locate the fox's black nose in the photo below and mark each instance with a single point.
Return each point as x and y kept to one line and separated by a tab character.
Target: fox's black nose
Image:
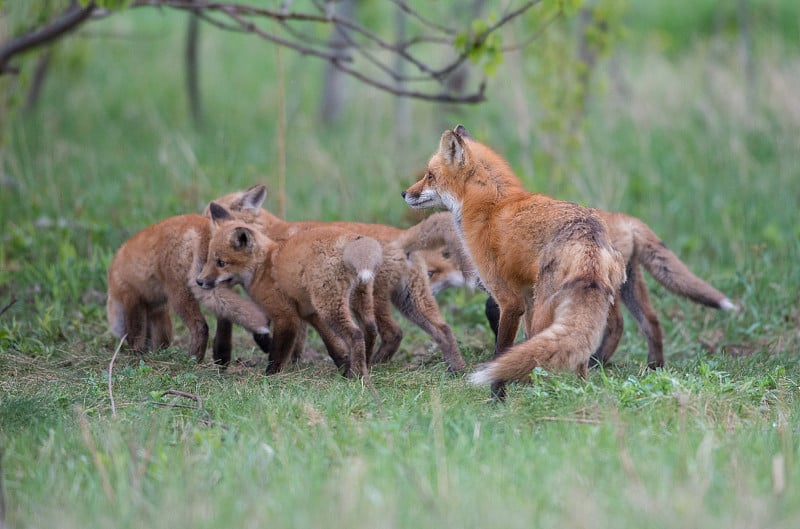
404	194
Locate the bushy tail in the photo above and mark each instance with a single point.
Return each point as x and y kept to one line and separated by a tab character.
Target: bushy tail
580	311
438	230
363	255
671	272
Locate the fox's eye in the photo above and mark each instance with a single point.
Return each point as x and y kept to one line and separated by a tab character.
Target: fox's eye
446	254
430	175
221	263
430	273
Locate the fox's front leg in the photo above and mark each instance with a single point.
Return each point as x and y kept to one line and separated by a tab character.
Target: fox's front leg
511	310
228	305
284	336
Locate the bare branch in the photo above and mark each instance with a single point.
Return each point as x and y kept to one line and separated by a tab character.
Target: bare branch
477	97
8	305
356	38
185	395
433	25
482	37
73	17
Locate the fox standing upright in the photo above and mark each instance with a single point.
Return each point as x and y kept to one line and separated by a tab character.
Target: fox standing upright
531	252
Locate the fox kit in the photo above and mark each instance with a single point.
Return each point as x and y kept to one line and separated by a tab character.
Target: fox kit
320	276
401	280
154	271
640	247
443	269
532	252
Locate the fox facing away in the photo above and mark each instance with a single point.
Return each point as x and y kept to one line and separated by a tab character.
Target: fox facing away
322	276
641	247
154	272
401	280
532	253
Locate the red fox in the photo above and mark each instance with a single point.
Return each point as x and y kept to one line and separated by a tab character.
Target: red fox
640	247
322	276
532	253
401	280
155	271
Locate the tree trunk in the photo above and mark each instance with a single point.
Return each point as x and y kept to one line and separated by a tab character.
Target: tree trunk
334	91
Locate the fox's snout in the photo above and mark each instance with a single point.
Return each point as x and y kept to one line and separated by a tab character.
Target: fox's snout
204	283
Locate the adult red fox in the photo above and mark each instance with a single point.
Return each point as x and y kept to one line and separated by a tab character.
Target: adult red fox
642	248
155	271
322	276
532	253
401	280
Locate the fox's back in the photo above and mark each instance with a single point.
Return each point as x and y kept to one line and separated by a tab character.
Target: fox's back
165	251
311	261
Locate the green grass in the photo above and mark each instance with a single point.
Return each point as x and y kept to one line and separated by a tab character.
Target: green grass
711	441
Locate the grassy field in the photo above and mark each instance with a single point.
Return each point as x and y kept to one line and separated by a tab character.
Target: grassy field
675	134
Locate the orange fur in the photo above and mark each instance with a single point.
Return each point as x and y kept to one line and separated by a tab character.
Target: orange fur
531	251
322	276
154	271
401	280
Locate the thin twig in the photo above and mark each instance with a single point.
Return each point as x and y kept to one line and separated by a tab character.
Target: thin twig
110	368
207	420
9	304
185	395
475	97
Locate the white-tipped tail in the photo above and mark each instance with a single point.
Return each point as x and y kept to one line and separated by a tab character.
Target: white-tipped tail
727	304
482	377
365	275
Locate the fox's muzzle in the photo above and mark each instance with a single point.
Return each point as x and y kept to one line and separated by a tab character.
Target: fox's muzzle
204	283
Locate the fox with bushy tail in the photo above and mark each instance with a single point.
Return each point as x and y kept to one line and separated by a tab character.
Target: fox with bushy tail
533	253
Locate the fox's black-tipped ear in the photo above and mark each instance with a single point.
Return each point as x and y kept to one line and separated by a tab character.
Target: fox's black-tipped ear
254	197
218	213
242	239
451	148
462	131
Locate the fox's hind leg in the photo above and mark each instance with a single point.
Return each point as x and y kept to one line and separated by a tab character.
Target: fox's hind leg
611	336
136	326
416	303
364	309
159	325
344	341
188	309
390	332
634	295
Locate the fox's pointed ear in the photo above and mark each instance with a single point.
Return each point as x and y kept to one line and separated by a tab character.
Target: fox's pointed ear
218	213
462	131
254	197
451	148
242	239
